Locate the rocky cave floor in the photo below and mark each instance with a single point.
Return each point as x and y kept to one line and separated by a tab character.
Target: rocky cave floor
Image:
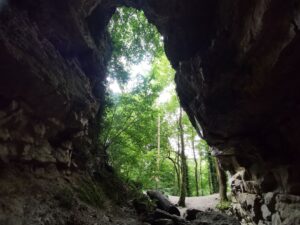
203	203
46	196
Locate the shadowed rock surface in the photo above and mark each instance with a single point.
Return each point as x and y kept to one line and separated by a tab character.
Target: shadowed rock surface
237	78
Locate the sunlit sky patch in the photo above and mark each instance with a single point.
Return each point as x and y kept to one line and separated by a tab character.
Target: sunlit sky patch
135	71
166	95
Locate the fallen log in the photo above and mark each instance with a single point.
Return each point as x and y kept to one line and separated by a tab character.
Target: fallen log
163	203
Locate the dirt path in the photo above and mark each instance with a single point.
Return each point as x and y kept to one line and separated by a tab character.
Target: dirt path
203	203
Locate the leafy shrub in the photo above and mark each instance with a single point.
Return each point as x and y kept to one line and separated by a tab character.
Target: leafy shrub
223	205
91	193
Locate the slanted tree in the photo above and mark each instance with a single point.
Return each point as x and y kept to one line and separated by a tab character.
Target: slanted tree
176	166
187	182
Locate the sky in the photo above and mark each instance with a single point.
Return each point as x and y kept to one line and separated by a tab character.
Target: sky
135	70
166	94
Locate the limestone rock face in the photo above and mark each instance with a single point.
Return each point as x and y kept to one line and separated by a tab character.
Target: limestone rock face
52	68
53	64
237	78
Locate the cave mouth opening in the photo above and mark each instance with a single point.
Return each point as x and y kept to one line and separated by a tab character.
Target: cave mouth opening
145	132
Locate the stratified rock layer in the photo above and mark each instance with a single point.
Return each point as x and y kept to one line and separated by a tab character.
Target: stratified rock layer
237	78
53	64
52	72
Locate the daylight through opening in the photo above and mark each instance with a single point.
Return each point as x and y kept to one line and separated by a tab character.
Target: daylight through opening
149	138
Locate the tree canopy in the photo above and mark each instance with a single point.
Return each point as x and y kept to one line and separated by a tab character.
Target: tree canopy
134	40
143	124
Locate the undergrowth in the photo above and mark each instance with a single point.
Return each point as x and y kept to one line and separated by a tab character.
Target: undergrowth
223	205
90	192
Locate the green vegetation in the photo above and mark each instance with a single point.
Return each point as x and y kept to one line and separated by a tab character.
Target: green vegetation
134	40
90	193
223	205
149	139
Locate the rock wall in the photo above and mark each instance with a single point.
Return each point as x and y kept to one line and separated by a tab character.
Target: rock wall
252	206
52	71
53	64
237	78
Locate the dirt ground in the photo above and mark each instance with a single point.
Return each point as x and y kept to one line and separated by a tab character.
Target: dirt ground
203	203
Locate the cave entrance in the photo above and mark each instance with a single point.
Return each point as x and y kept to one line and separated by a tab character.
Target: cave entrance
147	135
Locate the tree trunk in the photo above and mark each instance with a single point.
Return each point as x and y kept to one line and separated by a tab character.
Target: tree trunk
209	181
200	173
187	180
181	201
158	152
222	182
178	162
209	171
177	179
196	164
178	174
213	176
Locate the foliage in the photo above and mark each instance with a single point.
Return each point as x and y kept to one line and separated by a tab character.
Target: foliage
223	205
134	40
128	134
90	192
130	128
